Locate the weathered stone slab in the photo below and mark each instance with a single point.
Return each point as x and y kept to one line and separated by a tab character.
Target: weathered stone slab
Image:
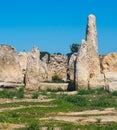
112	86
72	67
82	66
32	70
10	70
53	86
111	76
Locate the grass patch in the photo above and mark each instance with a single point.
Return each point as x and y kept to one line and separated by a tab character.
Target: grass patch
18	104
86	100
67	103
114	93
35	95
76	100
7	94
12	94
20	93
68	126
91	91
43	92
32	126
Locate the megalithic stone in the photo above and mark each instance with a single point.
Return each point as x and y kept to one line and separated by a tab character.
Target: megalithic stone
82	66
91	32
32	70
88	64
91	39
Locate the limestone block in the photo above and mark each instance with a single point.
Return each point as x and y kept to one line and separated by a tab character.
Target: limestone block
10	70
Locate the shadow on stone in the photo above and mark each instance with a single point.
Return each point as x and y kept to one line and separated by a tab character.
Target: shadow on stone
71	86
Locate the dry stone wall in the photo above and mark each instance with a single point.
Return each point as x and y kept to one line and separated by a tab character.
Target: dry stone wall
26	68
109	68
57	66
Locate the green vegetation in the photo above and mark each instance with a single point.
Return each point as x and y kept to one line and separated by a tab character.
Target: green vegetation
70	126
58	53
74	47
114	93
12	94
21	103
35	95
7	94
88	100
43	53
32	126
31	113
57	79
20	93
76	100
91	91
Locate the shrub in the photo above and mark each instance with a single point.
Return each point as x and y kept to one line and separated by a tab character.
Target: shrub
57	79
75	47
114	93
15	115
43	53
58	53
35	95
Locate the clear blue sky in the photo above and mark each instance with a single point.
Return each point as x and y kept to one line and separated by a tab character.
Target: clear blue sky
53	25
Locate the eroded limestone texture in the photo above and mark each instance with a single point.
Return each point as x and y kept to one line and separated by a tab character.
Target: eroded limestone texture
88	72
10	70
32	69
86	68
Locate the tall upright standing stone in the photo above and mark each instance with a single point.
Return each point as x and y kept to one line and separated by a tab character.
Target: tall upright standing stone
32	70
88	64
91	32
91	39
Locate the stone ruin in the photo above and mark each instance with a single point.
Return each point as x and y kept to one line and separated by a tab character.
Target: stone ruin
88	71
93	70
85	68
26	68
